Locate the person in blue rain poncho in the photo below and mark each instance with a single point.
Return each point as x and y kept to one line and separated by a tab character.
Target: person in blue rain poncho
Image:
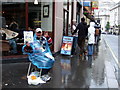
39	53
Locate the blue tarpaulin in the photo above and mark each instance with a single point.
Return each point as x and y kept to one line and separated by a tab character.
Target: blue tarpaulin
41	56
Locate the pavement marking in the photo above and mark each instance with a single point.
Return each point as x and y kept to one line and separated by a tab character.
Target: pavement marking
115	58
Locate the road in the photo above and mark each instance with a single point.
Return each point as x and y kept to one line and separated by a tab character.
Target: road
112	42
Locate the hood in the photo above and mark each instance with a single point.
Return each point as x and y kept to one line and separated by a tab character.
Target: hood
92	24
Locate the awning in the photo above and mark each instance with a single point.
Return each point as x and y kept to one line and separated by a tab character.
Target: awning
88	14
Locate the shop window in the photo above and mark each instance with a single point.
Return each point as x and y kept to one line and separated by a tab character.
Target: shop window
16	12
34	15
66	18
25	14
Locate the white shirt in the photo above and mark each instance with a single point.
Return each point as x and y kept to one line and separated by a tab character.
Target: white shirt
91	33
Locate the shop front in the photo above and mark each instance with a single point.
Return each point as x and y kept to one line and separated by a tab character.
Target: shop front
27	16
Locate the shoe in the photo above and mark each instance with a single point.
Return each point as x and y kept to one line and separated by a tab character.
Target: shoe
45	77
71	55
85	53
80	56
90	66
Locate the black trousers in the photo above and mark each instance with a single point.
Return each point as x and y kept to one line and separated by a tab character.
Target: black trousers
81	44
45	71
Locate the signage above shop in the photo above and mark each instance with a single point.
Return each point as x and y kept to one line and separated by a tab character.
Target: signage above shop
94	4
86	3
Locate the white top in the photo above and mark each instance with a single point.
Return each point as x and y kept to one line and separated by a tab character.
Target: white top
91	33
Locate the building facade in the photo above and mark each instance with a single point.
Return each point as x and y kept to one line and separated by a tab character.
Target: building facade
53	16
114	18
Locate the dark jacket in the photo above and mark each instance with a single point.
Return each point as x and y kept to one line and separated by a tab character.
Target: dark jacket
83	29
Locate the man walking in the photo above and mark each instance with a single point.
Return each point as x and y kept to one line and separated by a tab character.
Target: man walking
82	33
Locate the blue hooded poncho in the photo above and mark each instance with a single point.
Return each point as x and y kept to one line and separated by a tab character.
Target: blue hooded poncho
41	55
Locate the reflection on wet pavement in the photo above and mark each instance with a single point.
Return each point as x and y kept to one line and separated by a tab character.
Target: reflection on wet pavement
76	73
98	79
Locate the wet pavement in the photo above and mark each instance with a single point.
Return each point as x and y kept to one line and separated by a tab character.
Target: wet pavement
68	72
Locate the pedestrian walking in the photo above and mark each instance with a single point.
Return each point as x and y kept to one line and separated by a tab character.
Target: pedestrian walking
73	27
75	37
82	33
97	35
40	54
91	42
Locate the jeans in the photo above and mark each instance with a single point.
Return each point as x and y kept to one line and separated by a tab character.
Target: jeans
13	45
90	53
45	71
90	49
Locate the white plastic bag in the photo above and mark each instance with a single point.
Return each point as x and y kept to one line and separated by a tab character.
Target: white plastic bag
34	78
49	56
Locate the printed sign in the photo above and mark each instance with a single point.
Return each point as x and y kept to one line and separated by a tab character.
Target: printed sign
28	36
94	4
67	45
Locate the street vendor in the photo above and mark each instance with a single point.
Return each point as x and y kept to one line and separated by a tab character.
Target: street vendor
39	54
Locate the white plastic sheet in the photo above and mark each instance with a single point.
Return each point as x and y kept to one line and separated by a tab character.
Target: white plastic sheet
34	78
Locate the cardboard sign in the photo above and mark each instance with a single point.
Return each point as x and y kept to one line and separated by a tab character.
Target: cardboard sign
67	43
28	36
